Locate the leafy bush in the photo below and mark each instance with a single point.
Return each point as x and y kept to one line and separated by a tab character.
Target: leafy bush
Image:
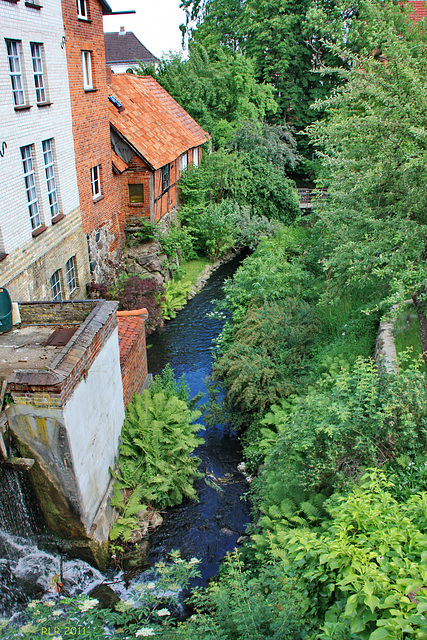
158	437
366	575
146	233
138	293
271	273
177	240
326	439
244	605
269	355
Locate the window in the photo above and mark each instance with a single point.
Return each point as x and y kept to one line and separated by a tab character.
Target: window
95	178
49	167
55	285
87	70
30	186
196	157
165	177
184	161
36	54
136	193
82	9
71	274
14	59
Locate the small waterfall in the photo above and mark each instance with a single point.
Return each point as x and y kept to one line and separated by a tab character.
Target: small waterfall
30	558
19	512
29	572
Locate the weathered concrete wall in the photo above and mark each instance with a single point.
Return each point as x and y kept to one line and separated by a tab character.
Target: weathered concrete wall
68	418
93	419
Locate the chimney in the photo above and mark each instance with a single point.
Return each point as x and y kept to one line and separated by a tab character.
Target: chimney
122	31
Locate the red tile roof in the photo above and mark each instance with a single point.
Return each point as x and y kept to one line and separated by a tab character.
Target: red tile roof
118	163
152	121
419	10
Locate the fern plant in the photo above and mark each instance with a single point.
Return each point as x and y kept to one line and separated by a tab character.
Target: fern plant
158	437
174	298
127	520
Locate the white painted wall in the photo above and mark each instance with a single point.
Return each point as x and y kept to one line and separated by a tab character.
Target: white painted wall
93	419
20	128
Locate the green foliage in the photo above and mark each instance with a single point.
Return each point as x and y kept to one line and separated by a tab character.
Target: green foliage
268	356
146	233
158	437
267	275
218	90
323	441
177	240
166	383
244	605
127	521
372	146
174	298
366	575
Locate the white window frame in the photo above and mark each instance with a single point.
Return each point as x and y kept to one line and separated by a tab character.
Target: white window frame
184	161
38	71
49	167
196	156
56	286
95	180
82	10
27	157
15	71
87	70
71	274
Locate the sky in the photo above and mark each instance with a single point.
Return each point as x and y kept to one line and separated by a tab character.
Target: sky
155	23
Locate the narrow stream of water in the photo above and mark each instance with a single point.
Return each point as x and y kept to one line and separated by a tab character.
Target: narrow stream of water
209	528
206	529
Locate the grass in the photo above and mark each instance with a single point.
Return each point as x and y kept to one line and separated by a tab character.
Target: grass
192	269
407	337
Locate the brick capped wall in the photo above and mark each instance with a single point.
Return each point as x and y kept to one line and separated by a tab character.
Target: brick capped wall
91	128
133	355
73	363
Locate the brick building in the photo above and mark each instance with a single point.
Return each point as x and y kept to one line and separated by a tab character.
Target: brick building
43	250
84	43
153	140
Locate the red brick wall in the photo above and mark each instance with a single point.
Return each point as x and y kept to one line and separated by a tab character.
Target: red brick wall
91	128
137	173
133	355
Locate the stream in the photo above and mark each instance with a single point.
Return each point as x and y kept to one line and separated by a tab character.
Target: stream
206	529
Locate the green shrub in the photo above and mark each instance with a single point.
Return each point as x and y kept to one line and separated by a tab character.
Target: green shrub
323	442
366	575
269	355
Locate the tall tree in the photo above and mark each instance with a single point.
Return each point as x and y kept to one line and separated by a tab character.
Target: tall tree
374	151
219	91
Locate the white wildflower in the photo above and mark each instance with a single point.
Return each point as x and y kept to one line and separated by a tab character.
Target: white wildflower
145	632
50	603
150	585
56	613
194	561
57	638
33	604
28	628
90	603
163	612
